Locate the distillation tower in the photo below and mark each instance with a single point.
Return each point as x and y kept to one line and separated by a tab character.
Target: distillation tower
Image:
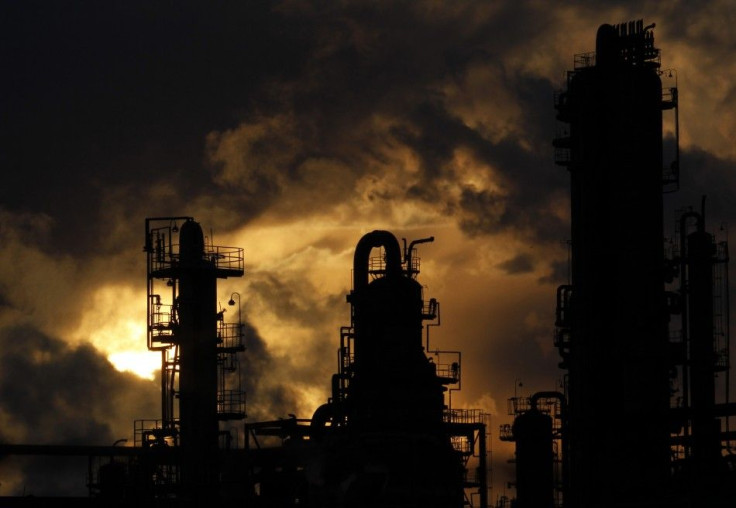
641	422
200	381
698	299
614	337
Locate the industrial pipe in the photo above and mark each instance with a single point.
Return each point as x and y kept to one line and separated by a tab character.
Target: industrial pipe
363	249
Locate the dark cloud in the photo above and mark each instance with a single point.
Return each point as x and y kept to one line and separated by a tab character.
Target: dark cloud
51	393
522	263
528	190
559	273
103	96
112	103
54	393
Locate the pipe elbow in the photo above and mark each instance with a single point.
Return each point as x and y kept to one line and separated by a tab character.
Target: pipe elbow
369	241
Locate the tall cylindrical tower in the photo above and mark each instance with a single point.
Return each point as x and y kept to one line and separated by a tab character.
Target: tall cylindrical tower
196	308
197	347
617	359
699	258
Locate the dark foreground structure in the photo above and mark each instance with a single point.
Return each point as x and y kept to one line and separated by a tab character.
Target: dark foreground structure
642	330
386	437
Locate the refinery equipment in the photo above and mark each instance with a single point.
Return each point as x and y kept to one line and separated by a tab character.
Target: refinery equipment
703	461
641	335
613	337
200	380
537	433
188	456
386	436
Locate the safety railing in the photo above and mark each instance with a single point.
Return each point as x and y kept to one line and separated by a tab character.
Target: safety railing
152	432
430	309
584	60
230	337
465	416
461	444
231	403
518	405
448	371
505	433
225	258
160	324
230	259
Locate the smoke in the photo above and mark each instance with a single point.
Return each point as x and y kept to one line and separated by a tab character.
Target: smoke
269	386
289	372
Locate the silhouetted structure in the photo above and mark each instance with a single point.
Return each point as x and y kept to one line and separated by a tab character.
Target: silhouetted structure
200	383
700	353
385	437
536	428
617	324
641	425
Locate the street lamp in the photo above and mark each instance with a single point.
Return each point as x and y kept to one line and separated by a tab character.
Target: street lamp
231	302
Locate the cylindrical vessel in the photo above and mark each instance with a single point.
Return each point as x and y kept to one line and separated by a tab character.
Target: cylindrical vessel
618	367
532	433
706	438
391	449
197	341
394	385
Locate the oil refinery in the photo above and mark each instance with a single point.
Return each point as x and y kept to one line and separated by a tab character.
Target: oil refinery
641	419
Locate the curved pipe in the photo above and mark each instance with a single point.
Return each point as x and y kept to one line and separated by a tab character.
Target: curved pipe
407	254
321	417
363	249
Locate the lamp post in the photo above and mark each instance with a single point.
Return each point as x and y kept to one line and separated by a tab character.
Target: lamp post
231	302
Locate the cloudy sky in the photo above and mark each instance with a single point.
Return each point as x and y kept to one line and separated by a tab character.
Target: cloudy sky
292	128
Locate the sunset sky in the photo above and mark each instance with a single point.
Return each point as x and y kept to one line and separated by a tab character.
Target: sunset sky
290	129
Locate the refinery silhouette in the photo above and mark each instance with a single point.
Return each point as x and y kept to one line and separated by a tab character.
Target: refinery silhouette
642	418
